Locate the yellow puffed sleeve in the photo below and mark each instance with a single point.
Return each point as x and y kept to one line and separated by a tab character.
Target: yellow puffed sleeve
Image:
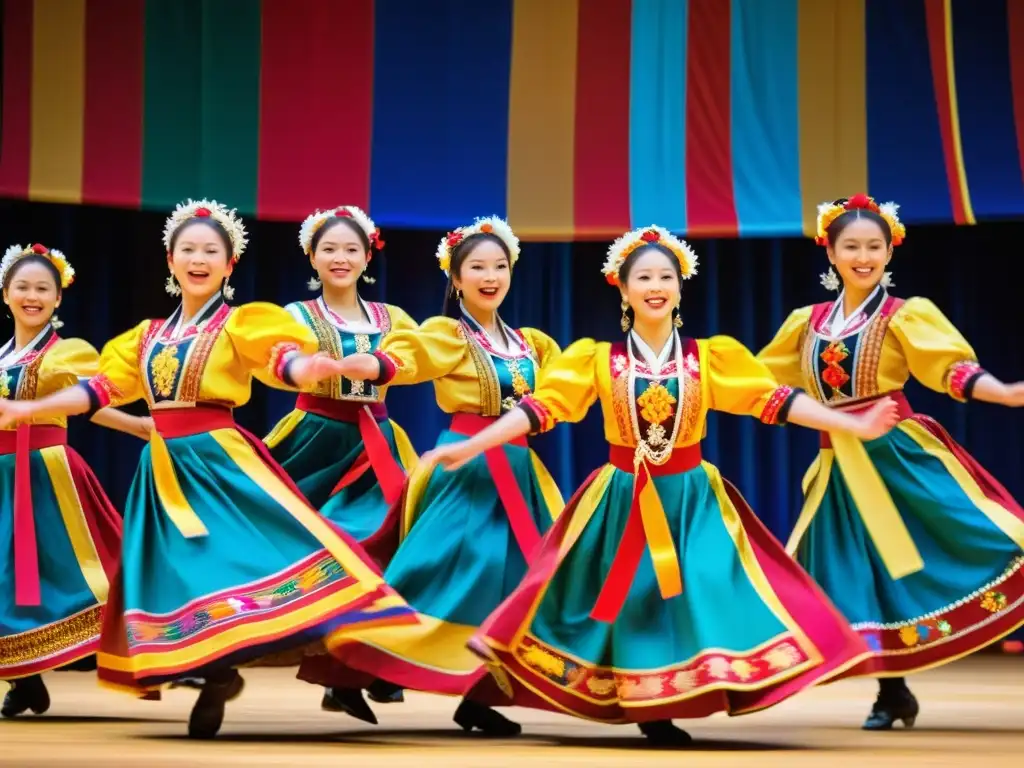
566	387
424	354
400	320
782	355
937	354
544	346
118	381
264	337
736	382
65	364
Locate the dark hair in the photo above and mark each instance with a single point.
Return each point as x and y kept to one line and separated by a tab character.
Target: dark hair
213	224
35	258
330	223
630	262
843	220
460	252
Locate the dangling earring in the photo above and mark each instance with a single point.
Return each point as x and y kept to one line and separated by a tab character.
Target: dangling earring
625	322
172	287
458	294
314	284
677	317
56	323
227	290
887	280
367	279
830	280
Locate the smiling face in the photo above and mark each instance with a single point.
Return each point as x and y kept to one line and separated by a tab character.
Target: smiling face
340	256
652	286
32	294
484	276
860	254
200	260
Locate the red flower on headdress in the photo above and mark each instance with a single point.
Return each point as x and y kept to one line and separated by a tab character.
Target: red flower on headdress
40	249
454	238
376	241
344	212
862	201
202	212
611	279
487	228
650	236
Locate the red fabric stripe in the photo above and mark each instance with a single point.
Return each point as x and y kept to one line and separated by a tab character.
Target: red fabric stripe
316	106
601	175
114	70
711	207
936	21
1015	23
15	141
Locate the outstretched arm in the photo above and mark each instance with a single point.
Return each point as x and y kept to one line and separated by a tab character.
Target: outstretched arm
111	418
513	424
867	425
991	390
67	402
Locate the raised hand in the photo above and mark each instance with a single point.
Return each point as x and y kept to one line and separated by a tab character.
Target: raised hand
878	419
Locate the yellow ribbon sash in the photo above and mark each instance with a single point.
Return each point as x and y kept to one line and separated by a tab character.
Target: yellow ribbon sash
169	491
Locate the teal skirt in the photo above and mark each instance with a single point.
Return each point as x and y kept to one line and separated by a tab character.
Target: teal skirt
747	629
461	554
968	532
224	561
54	590
322	445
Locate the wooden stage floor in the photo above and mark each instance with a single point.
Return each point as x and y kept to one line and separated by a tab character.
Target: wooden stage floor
972	714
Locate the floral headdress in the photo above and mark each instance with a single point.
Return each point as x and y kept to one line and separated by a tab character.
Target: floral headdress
226	217
316	220
619	251
490	225
16	253
829	212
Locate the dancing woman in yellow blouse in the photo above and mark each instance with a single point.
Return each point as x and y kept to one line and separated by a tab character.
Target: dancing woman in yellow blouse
914	541
223	560
61	535
468	536
658	594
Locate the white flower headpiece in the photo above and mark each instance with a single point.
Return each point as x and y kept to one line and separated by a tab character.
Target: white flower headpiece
16	253
209	209
490	225
619	251
316	220
829	212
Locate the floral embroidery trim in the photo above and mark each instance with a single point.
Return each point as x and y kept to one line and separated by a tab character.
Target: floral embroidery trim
280	355
272	594
104	389
960	376
607	684
770	414
540	411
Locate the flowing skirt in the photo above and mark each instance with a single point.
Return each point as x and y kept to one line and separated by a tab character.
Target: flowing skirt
225	562
748	629
348	460
967	530
58	554
462	553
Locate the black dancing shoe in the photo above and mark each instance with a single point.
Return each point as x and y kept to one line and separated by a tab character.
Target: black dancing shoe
208	713
663	733
384	692
890	707
350	701
26	693
472	715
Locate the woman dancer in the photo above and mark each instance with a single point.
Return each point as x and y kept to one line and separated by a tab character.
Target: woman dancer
223	561
65	534
916	544
466	536
338	444
658	594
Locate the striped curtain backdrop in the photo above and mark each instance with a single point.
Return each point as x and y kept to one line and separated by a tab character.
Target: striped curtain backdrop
577	119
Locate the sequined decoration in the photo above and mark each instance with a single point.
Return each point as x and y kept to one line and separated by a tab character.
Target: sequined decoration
656	407
993	601
520	386
5	385
834	375
164	367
